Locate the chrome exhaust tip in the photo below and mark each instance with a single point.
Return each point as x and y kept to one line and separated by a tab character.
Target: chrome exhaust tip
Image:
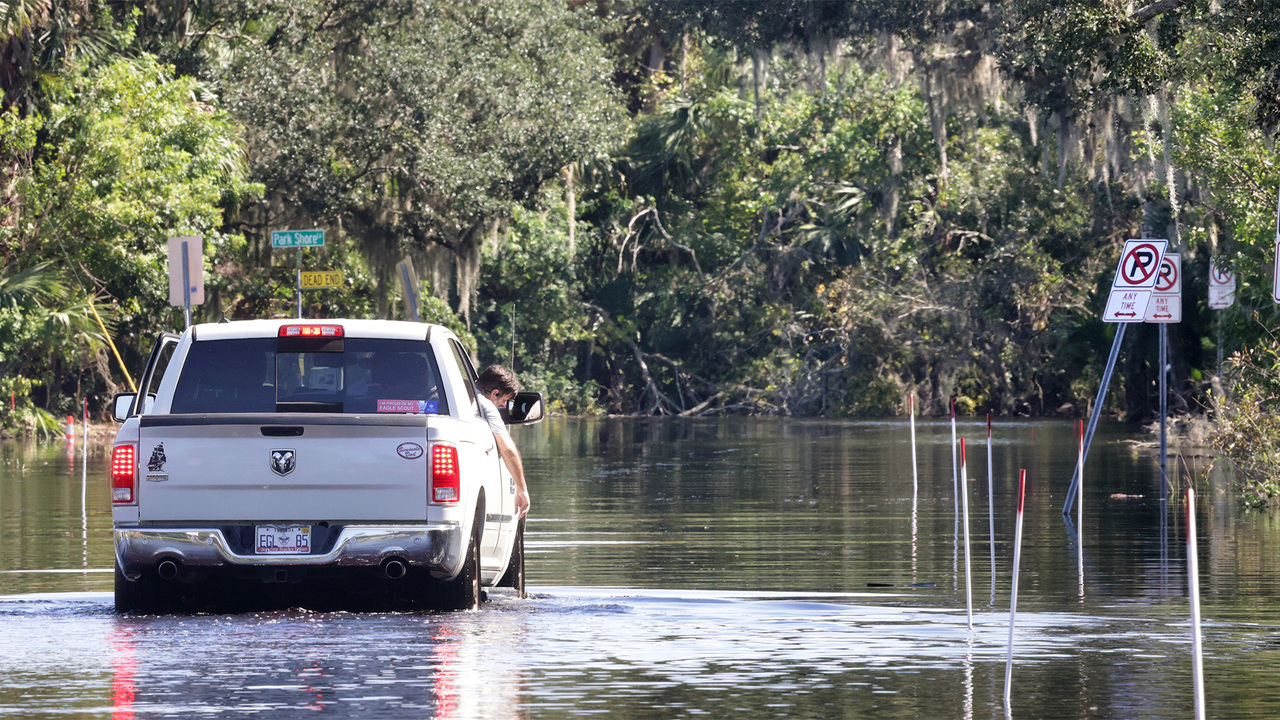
167	570
394	569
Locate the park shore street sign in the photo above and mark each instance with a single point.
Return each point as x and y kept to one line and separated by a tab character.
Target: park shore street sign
1136	277
297	238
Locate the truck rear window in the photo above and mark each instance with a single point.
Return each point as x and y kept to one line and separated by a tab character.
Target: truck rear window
252	376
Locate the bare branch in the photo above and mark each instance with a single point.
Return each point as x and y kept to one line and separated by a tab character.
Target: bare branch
1158	7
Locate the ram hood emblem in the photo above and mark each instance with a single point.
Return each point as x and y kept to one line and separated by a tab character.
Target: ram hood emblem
282	461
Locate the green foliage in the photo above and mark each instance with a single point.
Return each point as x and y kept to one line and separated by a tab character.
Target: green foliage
126	157
414	126
532	314
1068	55
816	208
1248	422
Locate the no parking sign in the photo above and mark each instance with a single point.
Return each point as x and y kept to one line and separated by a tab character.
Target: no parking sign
1136	277
1166	296
1222	286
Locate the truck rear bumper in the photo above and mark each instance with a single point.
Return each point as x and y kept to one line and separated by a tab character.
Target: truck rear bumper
438	548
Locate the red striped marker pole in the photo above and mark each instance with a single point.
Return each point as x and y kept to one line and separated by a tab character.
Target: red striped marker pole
915	475
955	496
991	513
968	569
955	477
1013	598
1193	590
915	485
1080	509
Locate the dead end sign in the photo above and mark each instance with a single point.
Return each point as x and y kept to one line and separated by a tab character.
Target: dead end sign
1136	277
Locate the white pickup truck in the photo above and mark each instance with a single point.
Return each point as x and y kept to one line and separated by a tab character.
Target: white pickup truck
312	463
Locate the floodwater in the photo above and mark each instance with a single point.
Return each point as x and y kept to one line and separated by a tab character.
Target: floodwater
744	568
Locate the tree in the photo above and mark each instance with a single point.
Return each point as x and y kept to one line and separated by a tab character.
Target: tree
126	157
414	126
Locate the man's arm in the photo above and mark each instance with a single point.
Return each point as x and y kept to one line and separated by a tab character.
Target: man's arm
511	456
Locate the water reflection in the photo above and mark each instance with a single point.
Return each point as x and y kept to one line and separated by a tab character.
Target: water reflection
124	667
759	568
394	665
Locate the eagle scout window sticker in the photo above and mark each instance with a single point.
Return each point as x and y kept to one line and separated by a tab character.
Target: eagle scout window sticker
408	406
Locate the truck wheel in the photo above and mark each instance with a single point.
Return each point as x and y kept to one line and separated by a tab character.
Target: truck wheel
141	595
514	576
463	592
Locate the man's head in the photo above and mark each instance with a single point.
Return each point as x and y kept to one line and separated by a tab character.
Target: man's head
498	384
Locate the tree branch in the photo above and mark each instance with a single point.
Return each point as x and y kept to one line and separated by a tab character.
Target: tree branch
1158	7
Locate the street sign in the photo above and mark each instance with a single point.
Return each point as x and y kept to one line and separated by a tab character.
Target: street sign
1222	287
320	279
297	238
195	270
1135	280
1166	295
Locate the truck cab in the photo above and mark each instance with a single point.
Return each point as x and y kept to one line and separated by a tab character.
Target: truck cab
309	461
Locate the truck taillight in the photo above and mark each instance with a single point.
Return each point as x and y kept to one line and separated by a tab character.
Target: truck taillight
123	473
444	474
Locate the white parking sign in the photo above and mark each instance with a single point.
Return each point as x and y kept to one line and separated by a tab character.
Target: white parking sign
1222	286
1136	277
1166	296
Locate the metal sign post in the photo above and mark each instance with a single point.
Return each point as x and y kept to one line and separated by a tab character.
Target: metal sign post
1165	308
412	290
186	274
297	239
1275	273
1131	291
186	286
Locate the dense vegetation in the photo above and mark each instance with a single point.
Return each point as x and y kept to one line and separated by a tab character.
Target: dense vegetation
670	207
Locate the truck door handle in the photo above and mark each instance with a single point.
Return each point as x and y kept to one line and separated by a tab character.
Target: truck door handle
281	430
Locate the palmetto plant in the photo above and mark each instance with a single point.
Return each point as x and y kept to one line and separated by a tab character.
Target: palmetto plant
37	37
46	327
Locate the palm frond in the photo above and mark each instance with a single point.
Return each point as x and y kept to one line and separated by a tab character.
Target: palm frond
16	16
38	284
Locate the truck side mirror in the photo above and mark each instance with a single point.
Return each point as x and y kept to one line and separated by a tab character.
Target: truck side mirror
525	409
120	406
122	402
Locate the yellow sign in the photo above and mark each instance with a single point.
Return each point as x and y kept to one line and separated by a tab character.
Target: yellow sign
320	279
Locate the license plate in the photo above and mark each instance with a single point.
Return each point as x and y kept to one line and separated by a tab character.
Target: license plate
282	540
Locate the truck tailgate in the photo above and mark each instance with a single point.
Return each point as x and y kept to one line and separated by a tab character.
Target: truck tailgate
269	467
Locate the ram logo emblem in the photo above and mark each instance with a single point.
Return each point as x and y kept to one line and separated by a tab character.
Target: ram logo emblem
282	461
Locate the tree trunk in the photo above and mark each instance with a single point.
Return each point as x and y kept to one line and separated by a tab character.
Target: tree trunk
571	205
935	95
893	189
760	78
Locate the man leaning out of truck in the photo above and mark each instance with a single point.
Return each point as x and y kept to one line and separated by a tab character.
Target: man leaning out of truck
498	386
